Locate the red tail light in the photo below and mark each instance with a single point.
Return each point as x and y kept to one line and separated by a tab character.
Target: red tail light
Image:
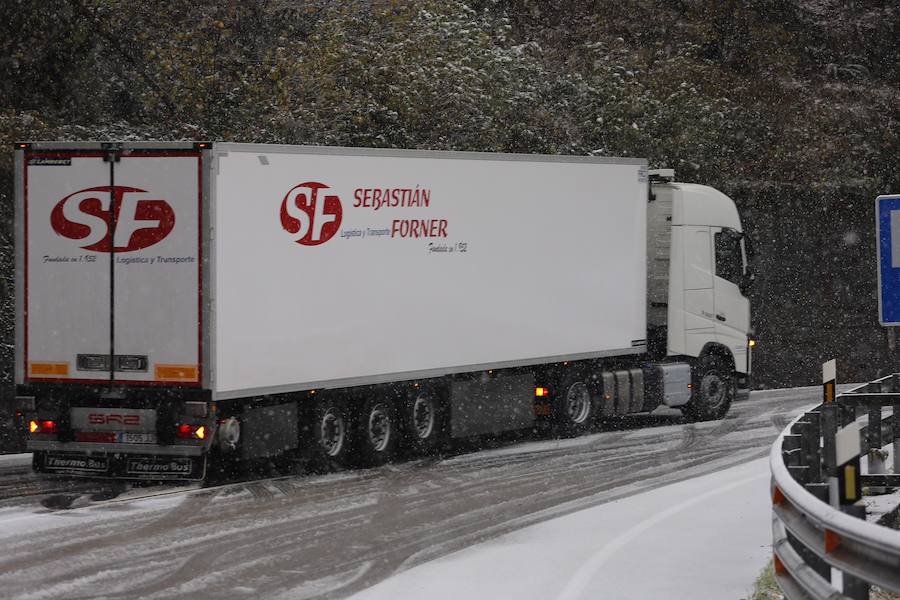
41	426
190	432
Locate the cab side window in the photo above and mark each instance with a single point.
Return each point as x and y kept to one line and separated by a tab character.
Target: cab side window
729	260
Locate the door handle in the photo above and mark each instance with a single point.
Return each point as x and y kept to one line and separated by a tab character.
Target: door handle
721	317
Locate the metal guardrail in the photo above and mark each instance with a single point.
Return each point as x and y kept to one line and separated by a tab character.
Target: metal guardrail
823	546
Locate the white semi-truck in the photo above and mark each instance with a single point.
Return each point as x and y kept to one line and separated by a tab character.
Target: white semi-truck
185	302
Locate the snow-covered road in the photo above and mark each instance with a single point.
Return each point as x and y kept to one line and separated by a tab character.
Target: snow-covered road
336	535
706	537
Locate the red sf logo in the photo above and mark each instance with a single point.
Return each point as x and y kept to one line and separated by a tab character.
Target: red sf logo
102	419
314	219
140	222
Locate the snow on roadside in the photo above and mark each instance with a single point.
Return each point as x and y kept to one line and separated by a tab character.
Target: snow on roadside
702	538
28	520
15	460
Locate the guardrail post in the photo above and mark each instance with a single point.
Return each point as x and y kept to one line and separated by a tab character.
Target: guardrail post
830	419
820	491
854	588
829	431
850	471
875	442
848	415
895	430
813	434
801	428
805	473
829	381
792	450
874	437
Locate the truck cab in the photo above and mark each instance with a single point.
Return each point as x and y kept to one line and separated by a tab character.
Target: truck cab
699	275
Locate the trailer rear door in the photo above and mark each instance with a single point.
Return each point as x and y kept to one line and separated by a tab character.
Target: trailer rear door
112	266
158	269
67	280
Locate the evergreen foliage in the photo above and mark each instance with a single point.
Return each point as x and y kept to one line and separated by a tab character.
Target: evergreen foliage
791	96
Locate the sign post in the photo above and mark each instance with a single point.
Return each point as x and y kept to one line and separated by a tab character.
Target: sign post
829	380
848	466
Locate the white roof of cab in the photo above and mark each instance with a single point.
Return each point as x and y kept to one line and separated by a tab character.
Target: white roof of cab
703	205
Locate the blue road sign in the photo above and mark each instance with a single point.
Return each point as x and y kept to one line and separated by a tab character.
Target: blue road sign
887	225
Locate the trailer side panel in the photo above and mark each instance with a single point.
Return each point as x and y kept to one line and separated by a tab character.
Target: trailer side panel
342	269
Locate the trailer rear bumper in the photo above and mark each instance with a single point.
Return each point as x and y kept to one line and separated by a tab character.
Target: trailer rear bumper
155	450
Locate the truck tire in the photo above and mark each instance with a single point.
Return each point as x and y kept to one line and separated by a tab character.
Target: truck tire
378	432
573	410
714	390
421	418
331	435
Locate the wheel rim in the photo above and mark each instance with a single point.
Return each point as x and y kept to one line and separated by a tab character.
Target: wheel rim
423	417
713	390
332	432
578	403
379	427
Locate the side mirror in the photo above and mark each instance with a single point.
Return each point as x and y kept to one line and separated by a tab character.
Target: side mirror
749	276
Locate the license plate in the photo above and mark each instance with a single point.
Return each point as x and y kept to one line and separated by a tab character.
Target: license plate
128	437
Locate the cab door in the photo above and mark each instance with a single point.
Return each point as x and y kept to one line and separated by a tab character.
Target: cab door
699	305
732	308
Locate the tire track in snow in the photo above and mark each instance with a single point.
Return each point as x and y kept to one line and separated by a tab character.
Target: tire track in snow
329	536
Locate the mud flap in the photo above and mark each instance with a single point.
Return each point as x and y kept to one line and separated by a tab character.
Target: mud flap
122	466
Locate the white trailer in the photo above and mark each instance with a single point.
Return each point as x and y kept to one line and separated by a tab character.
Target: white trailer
177	300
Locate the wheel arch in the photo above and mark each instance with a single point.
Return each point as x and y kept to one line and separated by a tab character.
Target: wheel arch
716	350
713	401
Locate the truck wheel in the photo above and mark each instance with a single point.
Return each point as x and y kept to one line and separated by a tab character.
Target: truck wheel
378	432
421	420
573	410
714	389
331	432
